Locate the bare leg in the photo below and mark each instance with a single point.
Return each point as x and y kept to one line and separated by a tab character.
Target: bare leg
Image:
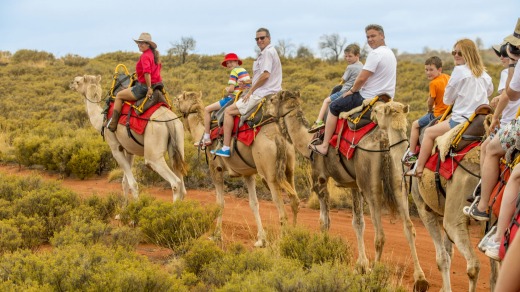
426	148
229	116
207	115
125	94
330	126
490	171
414	136
507	207
324	108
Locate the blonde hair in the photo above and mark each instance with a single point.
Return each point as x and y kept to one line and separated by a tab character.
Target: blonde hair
471	55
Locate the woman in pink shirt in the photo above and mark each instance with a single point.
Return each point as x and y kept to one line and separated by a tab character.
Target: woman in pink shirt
148	70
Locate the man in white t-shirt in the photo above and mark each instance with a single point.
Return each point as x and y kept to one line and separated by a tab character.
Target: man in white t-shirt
377	77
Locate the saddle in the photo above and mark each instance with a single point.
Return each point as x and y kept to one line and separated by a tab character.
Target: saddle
359	117
252	118
473	129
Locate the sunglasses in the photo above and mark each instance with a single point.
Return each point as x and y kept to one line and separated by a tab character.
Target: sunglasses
454	53
260	38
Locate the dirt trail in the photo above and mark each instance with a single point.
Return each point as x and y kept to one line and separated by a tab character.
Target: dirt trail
238	225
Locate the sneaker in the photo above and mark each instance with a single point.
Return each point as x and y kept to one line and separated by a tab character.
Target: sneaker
492	247
220	152
473	212
316	127
482	245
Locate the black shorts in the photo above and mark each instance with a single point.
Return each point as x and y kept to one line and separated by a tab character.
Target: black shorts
344	104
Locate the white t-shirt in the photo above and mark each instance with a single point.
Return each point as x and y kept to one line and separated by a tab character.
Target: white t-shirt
466	92
383	64
509	112
515	80
269	61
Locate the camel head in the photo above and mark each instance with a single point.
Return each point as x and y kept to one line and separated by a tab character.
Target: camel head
391	114
88	85
279	104
189	102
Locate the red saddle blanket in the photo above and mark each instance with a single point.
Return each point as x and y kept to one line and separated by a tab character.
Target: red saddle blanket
448	167
137	123
246	134
349	138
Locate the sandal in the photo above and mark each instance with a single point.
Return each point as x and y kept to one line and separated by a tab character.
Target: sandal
315	150
203	143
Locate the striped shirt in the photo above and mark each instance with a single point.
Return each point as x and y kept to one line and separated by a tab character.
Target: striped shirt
236	75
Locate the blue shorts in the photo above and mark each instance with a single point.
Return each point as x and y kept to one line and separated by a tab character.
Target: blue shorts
346	104
453	124
139	90
425	120
336	95
225	101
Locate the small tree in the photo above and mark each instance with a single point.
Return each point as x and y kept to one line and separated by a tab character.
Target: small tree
284	48
182	48
304	52
332	46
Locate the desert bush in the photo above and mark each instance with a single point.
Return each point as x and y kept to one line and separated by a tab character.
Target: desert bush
80	268
201	253
84	163
125	237
10	237
32	56
6	209
298	243
105	207
74	60
27	149
31	229
13	188
172	225
82	232
131	213
50	203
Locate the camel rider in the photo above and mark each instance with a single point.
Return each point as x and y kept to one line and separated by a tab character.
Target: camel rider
148	70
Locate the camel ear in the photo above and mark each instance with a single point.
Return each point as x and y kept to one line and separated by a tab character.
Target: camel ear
406	109
85	78
388	109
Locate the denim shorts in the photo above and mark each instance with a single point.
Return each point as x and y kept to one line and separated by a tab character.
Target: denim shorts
453	124
346	104
139	90
336	95
225	101
425	120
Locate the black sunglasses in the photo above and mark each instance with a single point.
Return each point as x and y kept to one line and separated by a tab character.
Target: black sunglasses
260	38
453	53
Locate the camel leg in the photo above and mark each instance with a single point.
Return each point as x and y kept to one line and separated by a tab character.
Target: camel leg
275	189
455	225
319	186
420	282
217	176
160	166
291	188
442	251
358	222
124	161
126	186
372	194
253	203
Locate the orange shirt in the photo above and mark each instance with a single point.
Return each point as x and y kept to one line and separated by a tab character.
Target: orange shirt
437	87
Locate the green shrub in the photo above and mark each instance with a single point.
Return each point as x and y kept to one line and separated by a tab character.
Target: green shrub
126	237
31	229
10	237
6	209
298	243
86	233
74	60
201	253
105	207
172	225
32	56
84	163
130	214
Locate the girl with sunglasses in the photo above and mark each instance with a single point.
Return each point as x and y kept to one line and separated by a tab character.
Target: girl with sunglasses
468	87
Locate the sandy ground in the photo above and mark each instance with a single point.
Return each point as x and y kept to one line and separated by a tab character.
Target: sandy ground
238	225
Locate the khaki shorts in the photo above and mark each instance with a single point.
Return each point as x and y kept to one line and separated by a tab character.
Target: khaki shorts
244	107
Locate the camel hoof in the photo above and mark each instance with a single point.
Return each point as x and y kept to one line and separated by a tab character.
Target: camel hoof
421	286
260	243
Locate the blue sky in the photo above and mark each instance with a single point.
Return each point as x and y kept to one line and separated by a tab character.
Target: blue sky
92	27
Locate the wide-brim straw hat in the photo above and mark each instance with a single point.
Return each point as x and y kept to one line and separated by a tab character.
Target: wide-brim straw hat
231	57
147	38
514	38
499	51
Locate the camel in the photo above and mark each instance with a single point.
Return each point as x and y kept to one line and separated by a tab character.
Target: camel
434	208
164	133
370	174
269	156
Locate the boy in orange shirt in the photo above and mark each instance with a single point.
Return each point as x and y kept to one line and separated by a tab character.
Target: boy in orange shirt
436	106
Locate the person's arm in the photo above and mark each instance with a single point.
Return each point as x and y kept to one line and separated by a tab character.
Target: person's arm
512	94
261	81
430	104
148	79
503	100
510	269
360	81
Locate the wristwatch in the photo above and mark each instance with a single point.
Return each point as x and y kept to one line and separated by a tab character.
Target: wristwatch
512	65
